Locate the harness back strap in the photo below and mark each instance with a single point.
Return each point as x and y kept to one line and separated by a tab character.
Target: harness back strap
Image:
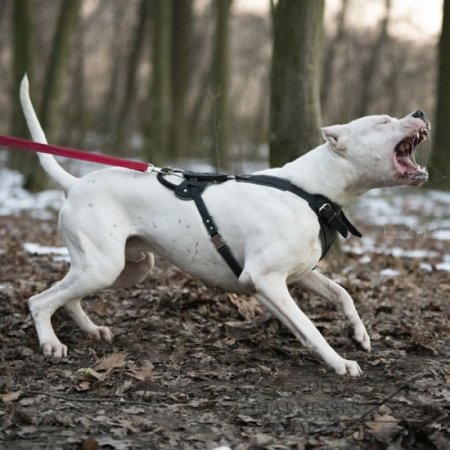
329	213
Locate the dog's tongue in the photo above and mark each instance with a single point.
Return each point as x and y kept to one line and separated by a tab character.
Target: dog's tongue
405	164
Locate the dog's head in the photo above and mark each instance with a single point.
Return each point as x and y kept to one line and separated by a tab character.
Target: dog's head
380	149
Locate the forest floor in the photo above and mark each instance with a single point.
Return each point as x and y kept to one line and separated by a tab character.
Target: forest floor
194	368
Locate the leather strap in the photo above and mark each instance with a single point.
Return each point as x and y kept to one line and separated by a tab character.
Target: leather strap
331	218
191	189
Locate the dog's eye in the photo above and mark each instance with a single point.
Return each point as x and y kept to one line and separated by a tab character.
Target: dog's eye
384	121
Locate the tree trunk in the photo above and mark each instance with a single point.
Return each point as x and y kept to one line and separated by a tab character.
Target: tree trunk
75	123
22	61
219	88
370	70
110	106
22	30
333	48
56	69
440	167
158	128
295	117
2	11
129	95
182	24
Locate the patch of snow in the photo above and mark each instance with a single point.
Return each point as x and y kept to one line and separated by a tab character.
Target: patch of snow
365	259
426	266
388	206
14	199
37	249
445	266
389	272
398	252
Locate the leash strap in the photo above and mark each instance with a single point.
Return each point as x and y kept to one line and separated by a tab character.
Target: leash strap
24	144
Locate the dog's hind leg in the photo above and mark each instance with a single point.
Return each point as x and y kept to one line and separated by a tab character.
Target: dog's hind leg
138	264
92	269
139	261
273	293
328	289
75	310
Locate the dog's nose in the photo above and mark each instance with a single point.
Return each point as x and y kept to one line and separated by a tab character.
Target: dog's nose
420	115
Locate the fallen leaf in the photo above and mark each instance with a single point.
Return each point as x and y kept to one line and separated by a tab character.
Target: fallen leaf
383	427
111	362
90	443
247	419
88	372
20	417
114	443
142	373
248	307
10	396
84	385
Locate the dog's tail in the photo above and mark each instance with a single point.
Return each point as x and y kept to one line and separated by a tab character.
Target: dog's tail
48	162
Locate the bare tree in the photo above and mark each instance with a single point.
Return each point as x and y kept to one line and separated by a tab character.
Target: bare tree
158	127
441	140
57	66
134	56
182	31
370	69
219	87
333	48
295	117
22	31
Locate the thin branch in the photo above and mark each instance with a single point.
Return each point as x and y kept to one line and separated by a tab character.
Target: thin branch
386	399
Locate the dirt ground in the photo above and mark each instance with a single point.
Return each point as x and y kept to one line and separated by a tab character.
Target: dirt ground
194	368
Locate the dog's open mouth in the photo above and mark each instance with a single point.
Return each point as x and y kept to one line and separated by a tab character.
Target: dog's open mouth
404	160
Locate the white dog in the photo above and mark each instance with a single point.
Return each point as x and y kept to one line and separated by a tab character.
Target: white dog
113	219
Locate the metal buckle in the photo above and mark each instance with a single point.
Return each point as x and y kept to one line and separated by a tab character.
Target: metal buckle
170	171
327	212
218	241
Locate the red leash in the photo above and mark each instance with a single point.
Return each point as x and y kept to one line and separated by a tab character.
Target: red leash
24	144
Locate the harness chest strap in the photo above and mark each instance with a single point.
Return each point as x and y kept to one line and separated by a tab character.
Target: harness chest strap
330	215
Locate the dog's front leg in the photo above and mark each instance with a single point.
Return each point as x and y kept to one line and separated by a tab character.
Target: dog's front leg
273	293
85	323
324	287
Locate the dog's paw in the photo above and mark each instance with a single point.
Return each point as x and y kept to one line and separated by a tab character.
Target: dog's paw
360	337
101	334
347	367
55	349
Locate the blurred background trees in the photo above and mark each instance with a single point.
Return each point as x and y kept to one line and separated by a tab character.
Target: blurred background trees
214	81
440	168
295	117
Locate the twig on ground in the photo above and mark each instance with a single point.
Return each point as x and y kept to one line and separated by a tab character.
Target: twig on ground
386	399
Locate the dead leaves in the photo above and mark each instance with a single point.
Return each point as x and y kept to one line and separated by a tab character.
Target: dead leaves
142	373
383	427
111	362
118	362
191	367
10	396
248	307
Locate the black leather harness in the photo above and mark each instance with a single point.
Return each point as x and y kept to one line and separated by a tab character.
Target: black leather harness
331	218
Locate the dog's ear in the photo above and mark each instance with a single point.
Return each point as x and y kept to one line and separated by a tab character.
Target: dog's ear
336	136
